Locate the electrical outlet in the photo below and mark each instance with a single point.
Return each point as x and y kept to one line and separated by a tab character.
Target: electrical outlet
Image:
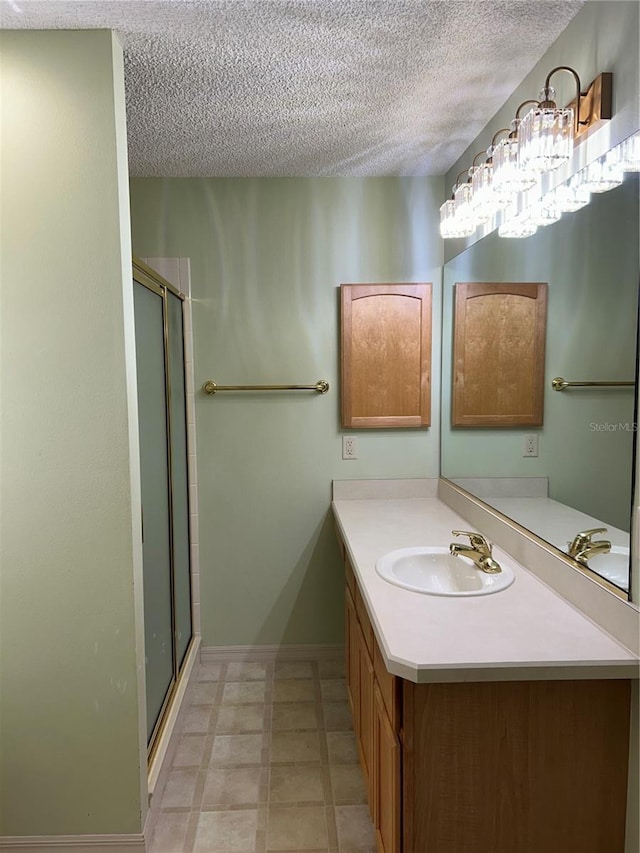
530	445
349	447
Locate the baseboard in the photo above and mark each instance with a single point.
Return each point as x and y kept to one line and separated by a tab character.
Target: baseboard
223	654
72	843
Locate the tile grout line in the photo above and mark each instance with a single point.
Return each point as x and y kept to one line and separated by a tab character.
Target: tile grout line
240	674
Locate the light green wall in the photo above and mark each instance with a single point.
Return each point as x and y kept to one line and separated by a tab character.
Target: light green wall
267	258
590	260
69	712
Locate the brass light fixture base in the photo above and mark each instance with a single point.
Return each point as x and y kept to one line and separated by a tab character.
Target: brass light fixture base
596	106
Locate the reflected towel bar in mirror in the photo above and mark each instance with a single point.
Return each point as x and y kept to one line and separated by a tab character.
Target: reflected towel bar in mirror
559	384
321	386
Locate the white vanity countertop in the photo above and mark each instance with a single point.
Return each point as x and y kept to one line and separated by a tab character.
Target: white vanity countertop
526	631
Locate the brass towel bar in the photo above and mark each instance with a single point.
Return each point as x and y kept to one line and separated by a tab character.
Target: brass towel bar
321	386
559	384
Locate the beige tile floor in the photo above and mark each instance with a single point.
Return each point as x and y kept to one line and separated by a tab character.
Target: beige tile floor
266	762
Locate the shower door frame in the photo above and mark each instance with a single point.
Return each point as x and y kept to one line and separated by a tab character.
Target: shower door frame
147	277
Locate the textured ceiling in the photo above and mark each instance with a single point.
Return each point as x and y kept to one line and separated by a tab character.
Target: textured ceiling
309	87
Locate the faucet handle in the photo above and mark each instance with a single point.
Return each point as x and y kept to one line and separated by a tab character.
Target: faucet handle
593	531
585	535
476	539
583	538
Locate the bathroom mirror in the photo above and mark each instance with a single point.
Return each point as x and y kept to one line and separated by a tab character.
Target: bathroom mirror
581	478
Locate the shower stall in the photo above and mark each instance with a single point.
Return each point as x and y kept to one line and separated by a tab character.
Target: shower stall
160	359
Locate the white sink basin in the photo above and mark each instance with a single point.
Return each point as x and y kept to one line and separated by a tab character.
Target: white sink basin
435	571
613	566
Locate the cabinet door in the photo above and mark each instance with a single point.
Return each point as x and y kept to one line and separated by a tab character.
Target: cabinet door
365	715
386	787
386	355
351	655
498	354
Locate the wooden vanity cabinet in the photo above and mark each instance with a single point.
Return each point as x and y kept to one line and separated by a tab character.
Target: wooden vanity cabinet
374	698
486	767
360	678
515	766
387	764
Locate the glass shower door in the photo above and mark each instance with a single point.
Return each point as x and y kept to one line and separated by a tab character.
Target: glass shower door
154	473
179	482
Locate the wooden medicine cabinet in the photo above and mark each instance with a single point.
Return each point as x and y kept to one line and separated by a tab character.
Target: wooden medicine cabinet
498	354
386	355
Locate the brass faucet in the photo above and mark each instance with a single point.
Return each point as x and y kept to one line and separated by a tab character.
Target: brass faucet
583	548
479	551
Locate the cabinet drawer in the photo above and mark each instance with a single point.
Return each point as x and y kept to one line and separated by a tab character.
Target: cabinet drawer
365	624
389	689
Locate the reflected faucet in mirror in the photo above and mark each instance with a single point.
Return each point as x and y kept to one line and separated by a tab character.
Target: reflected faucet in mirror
583	547
478	551
582	475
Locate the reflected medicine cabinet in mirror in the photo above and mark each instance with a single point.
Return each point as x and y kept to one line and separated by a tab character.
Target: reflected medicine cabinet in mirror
582	476
386	355
498	353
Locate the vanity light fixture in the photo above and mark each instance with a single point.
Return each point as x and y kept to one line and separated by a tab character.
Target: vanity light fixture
538	143
546	134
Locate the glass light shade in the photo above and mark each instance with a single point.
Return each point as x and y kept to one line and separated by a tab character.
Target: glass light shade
545	138
629	154
447	211
517	227
516	224
508	178
484	200
602	175
463	210
449	227
571	196
545	211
